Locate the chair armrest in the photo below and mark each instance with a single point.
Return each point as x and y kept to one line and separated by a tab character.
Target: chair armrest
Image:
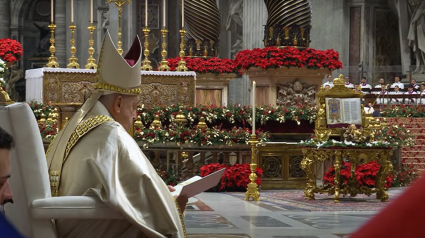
72	207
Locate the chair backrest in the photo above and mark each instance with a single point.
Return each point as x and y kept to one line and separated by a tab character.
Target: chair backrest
29	180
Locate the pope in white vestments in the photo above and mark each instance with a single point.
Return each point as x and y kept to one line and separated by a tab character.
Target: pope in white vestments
95	156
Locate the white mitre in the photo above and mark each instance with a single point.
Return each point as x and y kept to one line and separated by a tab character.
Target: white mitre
115	74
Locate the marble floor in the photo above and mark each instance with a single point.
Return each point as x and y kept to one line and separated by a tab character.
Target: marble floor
220	215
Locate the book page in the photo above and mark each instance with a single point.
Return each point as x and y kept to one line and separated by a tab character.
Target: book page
197	184
334	111
352	111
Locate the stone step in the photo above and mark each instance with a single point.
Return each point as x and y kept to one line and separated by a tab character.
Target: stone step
415	148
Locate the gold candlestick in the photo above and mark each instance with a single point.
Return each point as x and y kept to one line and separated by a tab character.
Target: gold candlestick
119	4
91	62
73	61
52	59
252	190
146	62
182	64
164	63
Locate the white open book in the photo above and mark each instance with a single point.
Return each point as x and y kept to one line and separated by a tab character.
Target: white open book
343	110
197	184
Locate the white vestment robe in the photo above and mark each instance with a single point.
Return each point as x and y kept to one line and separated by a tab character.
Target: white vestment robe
108	162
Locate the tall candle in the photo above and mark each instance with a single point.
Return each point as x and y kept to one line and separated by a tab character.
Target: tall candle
51	11
72	11
146	13
163	14
182	13
253	107
91	11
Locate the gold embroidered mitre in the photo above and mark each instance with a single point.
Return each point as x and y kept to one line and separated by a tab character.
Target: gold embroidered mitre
117	74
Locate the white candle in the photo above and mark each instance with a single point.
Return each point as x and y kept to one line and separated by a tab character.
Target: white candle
146	13
163	14
182	13
51	11
91	11
253	107
72	11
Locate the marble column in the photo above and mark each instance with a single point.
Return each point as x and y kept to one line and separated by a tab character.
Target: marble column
5	19
60	33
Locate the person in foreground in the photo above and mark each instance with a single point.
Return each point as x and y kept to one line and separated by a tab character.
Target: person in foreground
403	217
6	145
95	155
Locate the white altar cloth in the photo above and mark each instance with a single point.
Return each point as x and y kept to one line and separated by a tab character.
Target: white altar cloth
34	79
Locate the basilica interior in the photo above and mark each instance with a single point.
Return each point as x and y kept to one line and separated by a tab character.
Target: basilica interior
314	107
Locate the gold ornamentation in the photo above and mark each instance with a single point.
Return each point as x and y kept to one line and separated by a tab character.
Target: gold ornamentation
91	61
4	98
201	123
182	64
355	135
164	63
73	61
181	217
295	94
156	122
252	190
146	62
54	183
119	4
180	118
117	89
52	59
272	167
354	156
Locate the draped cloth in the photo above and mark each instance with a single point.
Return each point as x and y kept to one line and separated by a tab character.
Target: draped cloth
108	163
403	217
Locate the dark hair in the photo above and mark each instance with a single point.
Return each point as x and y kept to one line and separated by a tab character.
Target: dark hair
363	77
6	140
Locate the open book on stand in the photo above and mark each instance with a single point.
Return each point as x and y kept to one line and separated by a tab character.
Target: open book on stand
343	111
197	184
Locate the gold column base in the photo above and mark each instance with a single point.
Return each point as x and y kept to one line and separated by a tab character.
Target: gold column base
52	59
91	62
182	64
164	63
252	190
146	63
73	61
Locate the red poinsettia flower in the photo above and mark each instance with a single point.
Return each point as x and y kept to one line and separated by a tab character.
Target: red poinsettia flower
214	65
10	50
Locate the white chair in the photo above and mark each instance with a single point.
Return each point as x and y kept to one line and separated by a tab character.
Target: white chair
34	209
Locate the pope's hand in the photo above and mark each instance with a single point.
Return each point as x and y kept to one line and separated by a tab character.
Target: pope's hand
182	201
171	188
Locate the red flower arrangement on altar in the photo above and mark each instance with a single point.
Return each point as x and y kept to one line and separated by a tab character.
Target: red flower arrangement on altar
10	50
365	174
272	57
235	178
214	65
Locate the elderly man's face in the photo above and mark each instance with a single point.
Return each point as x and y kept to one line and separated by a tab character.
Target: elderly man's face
5	168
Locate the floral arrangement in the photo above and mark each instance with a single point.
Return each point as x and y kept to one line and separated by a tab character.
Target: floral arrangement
195	136
48	129
40	109
235	178
2	84
169	177
232	113
272	57
214	65
10	50
403	111
404	175
396	135
365	174
3	70
342	144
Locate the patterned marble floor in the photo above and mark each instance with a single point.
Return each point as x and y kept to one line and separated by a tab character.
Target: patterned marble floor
219	215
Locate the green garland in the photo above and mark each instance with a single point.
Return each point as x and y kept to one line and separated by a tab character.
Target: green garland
344	144
403	111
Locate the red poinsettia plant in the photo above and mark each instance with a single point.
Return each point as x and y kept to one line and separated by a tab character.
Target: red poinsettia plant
235	178
365	174
10	50
214	65
272	57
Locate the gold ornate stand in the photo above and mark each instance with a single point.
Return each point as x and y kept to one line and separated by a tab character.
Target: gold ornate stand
119	4
182	64
73	61
355	156
164	63
146	62
52	59
252	190
91	62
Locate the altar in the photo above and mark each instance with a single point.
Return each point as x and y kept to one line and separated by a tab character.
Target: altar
68	88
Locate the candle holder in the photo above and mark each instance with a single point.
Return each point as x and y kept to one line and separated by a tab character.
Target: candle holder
119	4
164	63
146	62
52	59
91	62
73	61
252	190
182	64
